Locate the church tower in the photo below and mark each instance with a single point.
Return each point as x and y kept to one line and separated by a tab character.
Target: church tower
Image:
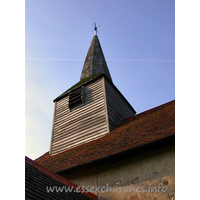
91	108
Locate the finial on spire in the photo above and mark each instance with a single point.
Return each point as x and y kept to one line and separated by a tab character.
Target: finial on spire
95	28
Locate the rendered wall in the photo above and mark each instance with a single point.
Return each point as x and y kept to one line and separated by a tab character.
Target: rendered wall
151	170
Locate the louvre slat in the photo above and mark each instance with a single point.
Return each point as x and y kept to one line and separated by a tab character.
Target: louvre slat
87	105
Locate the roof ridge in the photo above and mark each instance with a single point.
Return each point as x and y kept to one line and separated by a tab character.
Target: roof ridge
150	111
93	52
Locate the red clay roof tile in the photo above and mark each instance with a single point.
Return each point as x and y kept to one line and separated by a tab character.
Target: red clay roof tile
139	130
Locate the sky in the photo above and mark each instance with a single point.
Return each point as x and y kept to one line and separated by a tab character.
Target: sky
138	41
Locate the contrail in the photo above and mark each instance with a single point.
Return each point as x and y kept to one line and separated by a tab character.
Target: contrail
129	60
53	59
112	60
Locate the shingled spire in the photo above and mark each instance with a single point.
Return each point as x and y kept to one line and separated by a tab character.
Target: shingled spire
91	108
95	62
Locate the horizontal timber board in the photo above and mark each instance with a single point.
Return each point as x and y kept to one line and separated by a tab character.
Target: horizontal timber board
82	129
63	148
70	133
79	109
95	132
71	120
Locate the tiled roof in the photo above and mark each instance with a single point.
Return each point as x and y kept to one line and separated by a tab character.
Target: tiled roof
141	129
95	62
38	178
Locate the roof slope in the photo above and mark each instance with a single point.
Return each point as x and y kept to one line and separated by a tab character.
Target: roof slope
136	131
95	62
88	80
38	178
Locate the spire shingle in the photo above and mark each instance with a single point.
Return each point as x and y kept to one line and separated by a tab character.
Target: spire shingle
95	62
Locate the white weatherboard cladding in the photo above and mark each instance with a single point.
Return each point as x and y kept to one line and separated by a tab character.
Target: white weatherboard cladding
118	108
83	123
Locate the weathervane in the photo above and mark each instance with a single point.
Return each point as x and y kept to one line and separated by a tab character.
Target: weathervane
95	28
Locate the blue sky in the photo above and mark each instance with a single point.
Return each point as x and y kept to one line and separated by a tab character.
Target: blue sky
138	41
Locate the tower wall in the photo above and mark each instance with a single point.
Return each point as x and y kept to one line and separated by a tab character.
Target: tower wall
82	123
118	108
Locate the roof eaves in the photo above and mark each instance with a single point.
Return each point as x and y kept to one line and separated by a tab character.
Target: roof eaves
88	80
120	94
169	105
110	156
79	84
